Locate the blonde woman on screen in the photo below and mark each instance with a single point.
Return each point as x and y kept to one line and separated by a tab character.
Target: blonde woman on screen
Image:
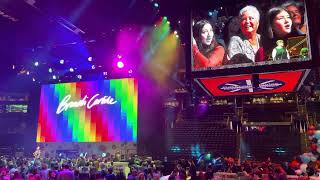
248	42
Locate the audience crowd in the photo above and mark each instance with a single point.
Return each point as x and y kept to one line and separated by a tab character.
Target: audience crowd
90	168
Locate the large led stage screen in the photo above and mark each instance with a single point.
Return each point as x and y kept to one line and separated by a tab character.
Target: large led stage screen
96	111
249	34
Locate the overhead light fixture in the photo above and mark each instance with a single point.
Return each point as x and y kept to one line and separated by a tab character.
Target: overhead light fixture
7	16
31	2
120	64
68	25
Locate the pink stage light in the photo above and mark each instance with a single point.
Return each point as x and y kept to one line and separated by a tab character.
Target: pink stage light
120	64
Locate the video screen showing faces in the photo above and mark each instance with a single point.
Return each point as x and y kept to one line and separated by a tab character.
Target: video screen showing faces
244	35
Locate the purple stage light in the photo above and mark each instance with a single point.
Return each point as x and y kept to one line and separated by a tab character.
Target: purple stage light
120	64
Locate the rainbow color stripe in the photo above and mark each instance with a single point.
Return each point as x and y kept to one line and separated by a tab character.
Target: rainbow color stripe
101	123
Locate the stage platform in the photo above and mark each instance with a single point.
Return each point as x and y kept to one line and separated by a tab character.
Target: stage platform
122	150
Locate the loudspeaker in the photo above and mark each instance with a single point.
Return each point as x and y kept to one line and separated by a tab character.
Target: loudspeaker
255	80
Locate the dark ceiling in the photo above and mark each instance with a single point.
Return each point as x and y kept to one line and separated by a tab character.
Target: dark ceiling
45	21
47	30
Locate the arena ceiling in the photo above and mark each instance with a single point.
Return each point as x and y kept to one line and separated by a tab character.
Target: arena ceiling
38	30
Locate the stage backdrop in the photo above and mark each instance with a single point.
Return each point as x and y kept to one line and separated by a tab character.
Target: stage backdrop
97	111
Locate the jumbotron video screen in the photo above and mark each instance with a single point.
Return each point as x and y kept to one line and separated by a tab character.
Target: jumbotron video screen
249	34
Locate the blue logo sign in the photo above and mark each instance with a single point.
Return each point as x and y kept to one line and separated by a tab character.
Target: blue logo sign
246	85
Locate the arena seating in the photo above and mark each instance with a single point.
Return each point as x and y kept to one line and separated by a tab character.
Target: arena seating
278	144
197	137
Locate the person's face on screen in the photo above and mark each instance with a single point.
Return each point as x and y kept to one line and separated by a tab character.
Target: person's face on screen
282	24
295	14
234	25
249	23
206	34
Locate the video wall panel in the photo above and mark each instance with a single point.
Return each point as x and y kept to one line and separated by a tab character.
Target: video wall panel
243	34
96	111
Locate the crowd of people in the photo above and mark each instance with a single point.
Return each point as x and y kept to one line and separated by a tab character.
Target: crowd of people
241	41
81	168
97	168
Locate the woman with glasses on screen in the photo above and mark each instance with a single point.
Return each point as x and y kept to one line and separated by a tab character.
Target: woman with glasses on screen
248	42
206	51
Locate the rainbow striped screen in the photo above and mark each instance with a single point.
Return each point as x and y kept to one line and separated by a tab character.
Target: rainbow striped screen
97	111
